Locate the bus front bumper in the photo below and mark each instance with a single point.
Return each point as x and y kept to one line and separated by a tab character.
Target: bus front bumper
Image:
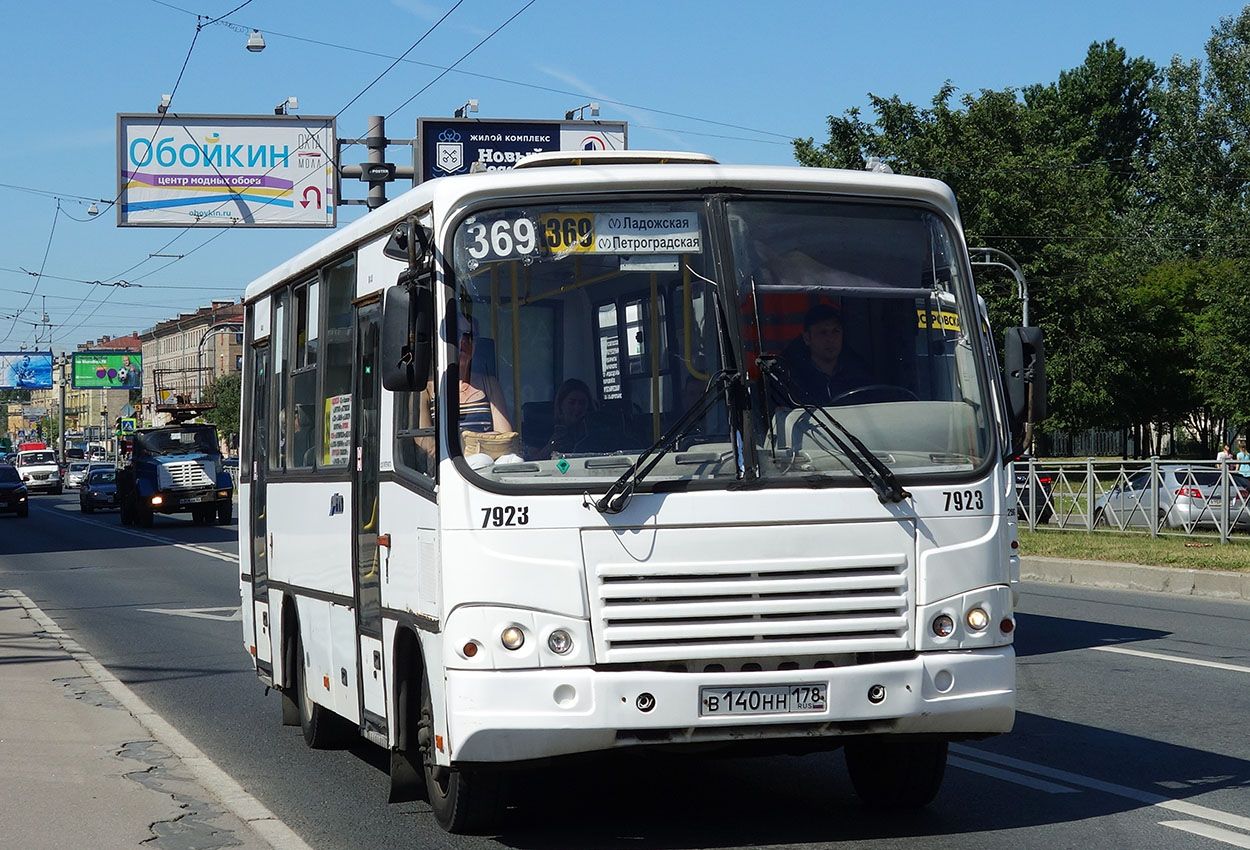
504	716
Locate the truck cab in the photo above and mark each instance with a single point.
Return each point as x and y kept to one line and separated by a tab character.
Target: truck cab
175	469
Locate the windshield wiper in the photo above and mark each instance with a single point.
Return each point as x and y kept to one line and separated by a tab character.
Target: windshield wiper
868	465
622	490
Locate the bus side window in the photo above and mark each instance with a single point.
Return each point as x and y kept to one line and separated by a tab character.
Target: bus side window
416	446
337	356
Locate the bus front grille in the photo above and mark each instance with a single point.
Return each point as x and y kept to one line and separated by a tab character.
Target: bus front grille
735	602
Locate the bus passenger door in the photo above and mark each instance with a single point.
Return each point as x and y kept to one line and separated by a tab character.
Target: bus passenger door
259	462
366	552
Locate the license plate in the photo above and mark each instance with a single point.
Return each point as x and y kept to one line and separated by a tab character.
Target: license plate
773	699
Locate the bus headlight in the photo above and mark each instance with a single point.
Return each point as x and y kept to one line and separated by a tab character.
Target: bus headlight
560	642
512	638
977	619
943	625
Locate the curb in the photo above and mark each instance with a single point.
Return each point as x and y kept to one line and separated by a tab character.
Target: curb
1214	584
265	825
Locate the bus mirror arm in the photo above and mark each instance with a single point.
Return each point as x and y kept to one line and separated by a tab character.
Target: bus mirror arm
1024	362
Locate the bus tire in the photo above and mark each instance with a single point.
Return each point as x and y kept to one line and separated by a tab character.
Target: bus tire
288	693
464	801
897	773
315	721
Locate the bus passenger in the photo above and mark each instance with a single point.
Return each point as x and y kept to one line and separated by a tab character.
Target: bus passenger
569	429
480	395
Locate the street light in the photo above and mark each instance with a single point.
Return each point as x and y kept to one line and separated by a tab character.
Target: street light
580	111
255	42
994	257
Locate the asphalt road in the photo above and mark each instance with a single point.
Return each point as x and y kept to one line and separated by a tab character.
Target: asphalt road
1131	730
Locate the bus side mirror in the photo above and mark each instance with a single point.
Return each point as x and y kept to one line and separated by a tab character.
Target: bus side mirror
407	329
410	242
1024	357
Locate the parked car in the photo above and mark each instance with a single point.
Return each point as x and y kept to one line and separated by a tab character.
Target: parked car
99	490
1188	497
13	495
1039	494
76	472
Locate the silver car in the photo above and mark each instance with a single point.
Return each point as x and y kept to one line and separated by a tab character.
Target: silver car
1188	497
76	472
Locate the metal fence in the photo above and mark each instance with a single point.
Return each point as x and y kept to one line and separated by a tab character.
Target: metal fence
1156	497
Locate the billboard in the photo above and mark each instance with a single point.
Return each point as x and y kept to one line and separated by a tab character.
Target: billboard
225	171
109	370
25	370
455	145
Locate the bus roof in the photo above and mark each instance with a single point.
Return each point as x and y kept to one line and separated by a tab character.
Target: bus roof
445	194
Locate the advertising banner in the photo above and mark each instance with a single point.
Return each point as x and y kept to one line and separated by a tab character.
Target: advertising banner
25	370
455	145
226	170
109	370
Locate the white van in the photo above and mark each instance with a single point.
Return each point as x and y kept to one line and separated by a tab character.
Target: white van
39	470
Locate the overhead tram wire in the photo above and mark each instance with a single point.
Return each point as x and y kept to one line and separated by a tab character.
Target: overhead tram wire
200	24
186	60
448	70
505	80
42	265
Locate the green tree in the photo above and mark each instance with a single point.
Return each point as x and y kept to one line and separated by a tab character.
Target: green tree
224	394
1042	174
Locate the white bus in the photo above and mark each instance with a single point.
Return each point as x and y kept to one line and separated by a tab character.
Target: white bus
634	450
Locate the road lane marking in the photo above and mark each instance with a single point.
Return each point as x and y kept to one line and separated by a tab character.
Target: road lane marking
1207	831
1009	776
1157	656
228	791
1146	797
201	613
197	548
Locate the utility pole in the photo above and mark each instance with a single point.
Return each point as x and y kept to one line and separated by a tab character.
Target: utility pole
61	360
376	172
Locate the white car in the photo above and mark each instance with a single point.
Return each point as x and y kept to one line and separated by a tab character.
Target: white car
39	470
76	473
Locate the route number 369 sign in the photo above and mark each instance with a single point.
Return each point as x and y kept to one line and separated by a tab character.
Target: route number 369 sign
586	233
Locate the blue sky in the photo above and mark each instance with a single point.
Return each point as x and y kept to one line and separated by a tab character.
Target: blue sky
732	79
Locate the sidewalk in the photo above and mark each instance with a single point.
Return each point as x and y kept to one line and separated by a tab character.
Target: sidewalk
87	764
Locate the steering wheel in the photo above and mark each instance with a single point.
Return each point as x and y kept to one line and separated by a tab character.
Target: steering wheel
890	392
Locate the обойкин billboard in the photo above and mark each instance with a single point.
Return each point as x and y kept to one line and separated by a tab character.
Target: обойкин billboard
110	370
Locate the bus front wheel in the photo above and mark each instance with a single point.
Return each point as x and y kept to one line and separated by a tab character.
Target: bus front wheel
896	773
463	800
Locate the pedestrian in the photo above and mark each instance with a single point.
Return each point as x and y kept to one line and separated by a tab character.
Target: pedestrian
1243	457
1224	453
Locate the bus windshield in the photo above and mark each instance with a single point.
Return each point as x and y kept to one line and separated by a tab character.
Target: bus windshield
860	313
587	331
